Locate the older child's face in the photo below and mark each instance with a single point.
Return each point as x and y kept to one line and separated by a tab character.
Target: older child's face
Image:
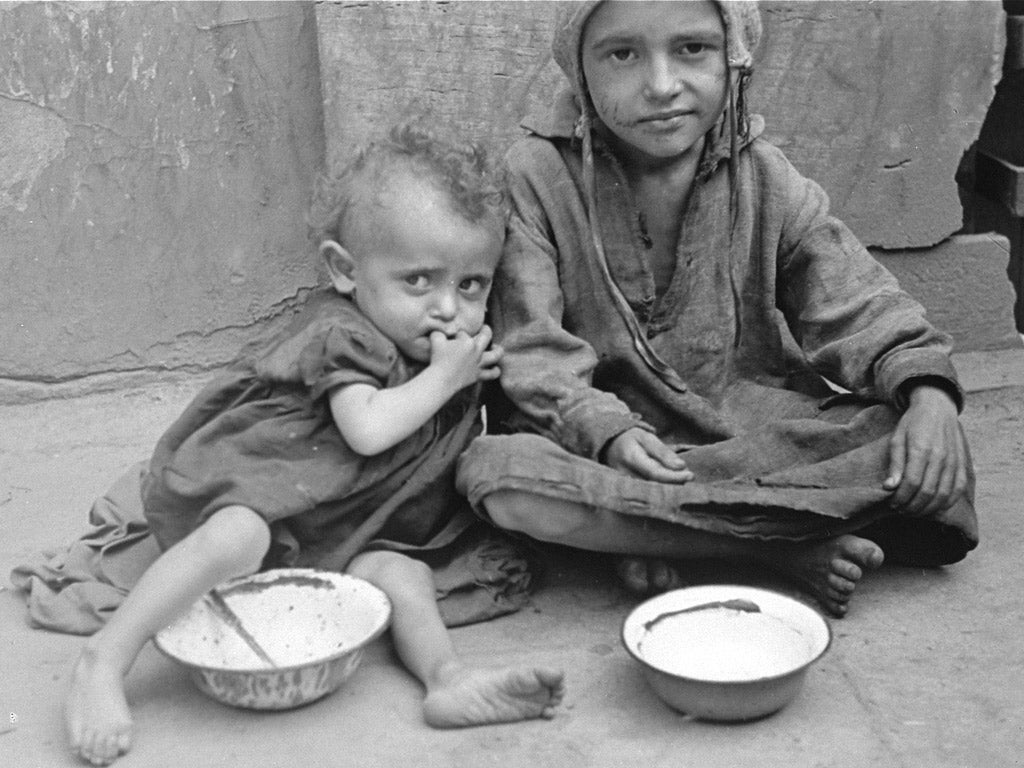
657	75
421	267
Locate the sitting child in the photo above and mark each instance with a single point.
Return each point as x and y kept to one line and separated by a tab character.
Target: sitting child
372	388
674	300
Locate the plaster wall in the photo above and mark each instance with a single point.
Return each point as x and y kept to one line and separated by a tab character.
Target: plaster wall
156	159
155	168
875	101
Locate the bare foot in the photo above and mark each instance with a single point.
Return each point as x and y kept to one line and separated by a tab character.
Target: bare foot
482	696
96	713
648	576
830	569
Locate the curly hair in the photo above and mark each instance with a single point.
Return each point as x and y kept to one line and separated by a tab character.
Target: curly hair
475	184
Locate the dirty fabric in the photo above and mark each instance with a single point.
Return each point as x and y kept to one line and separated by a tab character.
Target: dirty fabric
755	318
773	308
478	574
769	485
262	436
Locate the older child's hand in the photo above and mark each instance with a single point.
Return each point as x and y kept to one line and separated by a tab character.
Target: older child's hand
638	452
928	455
465	359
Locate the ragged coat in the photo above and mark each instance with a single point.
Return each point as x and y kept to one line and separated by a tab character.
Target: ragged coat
778	357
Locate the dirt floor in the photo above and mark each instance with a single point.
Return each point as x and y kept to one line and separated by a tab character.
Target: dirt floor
925	671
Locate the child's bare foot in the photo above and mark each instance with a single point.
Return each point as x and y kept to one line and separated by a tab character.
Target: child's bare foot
831	569
648	576
96	712
482	696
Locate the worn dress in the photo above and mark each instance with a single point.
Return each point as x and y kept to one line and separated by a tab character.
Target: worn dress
788	349
262	435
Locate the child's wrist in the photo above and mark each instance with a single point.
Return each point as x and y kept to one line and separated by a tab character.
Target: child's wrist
444	378
926	394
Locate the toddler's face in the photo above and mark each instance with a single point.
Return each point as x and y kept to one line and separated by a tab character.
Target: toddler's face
656	73
421	267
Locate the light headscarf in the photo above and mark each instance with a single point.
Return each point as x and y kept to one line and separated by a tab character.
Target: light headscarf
742	22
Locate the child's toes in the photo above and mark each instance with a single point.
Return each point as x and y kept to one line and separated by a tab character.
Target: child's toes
839	595
840	585
85	744
98	749
846	570
111	747
870	555
633	573
95	758
835	607
660	575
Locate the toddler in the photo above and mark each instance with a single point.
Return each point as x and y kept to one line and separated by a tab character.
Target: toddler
307	442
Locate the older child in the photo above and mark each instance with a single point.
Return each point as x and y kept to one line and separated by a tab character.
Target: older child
371	388
673	301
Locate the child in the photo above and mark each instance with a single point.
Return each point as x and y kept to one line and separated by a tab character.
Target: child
374	381
673	301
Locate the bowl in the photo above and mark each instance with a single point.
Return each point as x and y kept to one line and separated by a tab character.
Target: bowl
313	625
725	652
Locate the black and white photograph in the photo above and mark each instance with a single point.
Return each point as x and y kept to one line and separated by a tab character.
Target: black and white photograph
521	383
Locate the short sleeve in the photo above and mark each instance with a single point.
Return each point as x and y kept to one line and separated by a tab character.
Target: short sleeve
343	355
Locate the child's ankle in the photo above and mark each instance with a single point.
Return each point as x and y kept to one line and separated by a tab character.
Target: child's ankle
444	672
96	653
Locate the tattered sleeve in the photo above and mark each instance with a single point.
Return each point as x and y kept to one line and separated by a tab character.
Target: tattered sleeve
546	370
847	312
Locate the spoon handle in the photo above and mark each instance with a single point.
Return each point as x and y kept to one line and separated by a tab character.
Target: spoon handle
224	611
736	604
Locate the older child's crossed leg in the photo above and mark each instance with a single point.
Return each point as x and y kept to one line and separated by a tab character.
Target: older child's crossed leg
232	542
457	695
830	568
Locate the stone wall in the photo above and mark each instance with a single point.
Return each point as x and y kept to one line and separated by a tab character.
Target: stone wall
155	169
157	157
877	101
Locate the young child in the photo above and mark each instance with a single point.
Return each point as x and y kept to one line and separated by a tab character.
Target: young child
371	386
673	300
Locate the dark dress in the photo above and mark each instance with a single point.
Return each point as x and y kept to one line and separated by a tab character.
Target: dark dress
262	435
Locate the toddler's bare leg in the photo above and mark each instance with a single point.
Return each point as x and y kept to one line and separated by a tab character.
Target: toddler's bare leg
232	542
457	695
830	568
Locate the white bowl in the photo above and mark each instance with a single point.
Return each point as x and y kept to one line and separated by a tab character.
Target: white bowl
725	652
313	624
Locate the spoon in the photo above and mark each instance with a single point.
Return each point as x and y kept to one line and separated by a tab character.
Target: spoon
226	614
736	604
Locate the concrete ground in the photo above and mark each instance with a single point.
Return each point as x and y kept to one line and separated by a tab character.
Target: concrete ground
925	671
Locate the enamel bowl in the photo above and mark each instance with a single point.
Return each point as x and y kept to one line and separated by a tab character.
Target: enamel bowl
313	625
725	652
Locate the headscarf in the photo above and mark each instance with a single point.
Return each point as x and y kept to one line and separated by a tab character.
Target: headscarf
741	18
742	22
